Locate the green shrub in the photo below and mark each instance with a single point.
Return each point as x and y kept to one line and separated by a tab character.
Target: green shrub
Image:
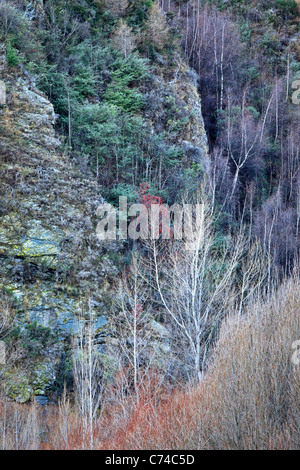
85	82
287	8
33	339
138	11
128	72
12	56
125	98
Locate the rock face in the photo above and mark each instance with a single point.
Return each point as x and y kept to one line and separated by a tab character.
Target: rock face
174	105
51	264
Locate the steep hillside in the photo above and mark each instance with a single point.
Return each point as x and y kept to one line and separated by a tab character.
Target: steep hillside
180	332
51	260
54	175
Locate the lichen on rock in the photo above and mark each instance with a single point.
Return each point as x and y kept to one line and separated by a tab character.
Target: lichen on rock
47	226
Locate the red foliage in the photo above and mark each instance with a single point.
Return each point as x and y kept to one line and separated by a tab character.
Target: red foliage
148	200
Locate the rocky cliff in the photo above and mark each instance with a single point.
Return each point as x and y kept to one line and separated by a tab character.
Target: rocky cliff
52	267
51	263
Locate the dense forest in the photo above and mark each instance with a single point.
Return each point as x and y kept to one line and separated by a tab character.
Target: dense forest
147	342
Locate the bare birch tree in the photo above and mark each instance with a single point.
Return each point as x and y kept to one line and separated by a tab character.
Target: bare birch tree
132	323
87	377
117	7
123	39
157	30
197	286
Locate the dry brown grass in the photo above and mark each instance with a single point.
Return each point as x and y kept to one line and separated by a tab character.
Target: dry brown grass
253	384
249	399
